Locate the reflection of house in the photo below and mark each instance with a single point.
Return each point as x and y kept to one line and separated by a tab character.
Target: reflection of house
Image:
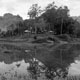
8	22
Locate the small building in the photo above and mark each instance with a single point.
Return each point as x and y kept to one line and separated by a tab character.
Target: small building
27	31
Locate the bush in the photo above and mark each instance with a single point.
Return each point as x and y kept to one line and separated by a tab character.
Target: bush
35	37
64	37
40	41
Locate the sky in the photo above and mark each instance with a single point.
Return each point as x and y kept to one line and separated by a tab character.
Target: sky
21	7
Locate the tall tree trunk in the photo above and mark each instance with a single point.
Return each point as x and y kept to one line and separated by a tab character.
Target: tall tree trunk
61	27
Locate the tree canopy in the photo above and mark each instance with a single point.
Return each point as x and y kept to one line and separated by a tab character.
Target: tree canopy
58	18
34	11
52	18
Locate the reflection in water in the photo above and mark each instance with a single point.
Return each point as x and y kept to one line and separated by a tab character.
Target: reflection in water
36	70
12	72
75	68
56	61
40	63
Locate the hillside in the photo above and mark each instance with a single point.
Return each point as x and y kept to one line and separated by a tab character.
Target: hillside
76	18
7	20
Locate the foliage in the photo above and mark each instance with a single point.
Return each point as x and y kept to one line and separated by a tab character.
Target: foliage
59	19
40	24
12	30
76	29
34	11
53	18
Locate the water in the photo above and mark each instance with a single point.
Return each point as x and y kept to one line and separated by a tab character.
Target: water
40	63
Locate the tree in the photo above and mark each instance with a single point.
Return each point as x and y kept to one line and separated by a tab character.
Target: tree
51	5
34	12
58	19
62	15
40	25
50	15
29	24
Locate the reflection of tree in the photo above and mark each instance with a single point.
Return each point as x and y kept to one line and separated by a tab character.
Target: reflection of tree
34	69
50	73
56	61
11	53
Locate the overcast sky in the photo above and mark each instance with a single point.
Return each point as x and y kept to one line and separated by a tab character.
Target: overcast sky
21	7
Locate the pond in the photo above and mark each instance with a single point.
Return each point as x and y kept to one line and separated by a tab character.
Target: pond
40	63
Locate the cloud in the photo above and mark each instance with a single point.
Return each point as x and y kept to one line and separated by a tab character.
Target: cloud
74	6
26	1
8	5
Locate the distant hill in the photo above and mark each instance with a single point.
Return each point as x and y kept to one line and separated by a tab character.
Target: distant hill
7	20
76	18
